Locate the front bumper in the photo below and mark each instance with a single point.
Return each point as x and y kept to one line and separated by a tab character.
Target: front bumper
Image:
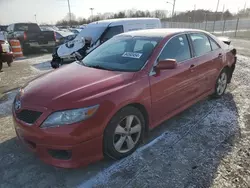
67	154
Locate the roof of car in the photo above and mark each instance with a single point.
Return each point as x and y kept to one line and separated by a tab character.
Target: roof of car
120	21
159	32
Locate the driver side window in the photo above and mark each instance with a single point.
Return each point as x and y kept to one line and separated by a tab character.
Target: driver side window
112	31
177	48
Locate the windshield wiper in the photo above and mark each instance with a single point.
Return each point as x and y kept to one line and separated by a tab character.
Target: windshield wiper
98	67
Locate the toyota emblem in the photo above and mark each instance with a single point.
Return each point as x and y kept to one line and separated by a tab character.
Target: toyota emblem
18	105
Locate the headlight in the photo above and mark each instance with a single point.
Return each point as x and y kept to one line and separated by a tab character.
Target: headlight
68	117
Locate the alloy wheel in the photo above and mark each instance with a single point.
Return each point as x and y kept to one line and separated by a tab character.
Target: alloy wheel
222	83
127	134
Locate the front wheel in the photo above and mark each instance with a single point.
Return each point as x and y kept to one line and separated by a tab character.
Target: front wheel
1	65
221	84
124	132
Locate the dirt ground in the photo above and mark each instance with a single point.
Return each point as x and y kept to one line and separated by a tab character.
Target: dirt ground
207	145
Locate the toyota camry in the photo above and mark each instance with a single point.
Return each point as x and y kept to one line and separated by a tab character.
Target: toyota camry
104	104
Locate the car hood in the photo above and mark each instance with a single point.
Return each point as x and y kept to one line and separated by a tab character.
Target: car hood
71	84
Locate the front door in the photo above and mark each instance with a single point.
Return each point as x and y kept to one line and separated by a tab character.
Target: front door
170	89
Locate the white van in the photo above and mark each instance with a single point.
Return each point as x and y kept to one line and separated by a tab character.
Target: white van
95	33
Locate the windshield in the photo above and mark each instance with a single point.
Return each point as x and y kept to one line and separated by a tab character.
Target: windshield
122	53
27	27
93	32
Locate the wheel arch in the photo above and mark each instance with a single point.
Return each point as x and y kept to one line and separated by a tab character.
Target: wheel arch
229	70
137	106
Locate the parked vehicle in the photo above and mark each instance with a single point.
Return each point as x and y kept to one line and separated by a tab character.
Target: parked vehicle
104	104
63	37
3	27
76	31
6	55
31	37
97	33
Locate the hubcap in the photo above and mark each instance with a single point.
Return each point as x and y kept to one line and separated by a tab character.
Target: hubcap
222	83
127	134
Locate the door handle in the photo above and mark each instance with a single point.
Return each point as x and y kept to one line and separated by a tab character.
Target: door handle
192	67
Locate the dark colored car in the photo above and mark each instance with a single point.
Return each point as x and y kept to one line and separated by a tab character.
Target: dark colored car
104	104
31	37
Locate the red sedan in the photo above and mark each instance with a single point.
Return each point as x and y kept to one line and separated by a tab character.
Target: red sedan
106	103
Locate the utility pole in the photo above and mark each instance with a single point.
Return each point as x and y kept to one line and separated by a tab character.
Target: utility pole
194	13
69	13
216	14
173	4
35	17
92	10
222	15
173	10
245	6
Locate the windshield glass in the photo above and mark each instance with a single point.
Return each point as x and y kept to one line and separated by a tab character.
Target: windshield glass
27	27
122	53
92	32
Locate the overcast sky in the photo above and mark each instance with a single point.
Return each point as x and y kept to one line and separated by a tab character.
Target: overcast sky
52	10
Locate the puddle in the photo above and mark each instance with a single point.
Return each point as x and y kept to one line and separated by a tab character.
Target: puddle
44	66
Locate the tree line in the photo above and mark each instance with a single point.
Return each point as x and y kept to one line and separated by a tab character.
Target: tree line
199	15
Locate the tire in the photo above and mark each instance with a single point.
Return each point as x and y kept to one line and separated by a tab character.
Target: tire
10	62
221	84
1	65
54	64
118	133
24	49
50	50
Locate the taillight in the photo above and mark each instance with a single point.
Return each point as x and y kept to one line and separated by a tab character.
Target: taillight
1	48
24	36
55	36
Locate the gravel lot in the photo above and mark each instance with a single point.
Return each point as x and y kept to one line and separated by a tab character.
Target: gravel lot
208	145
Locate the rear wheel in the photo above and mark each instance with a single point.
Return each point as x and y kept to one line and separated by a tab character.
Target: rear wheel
10	61
221	84
124	133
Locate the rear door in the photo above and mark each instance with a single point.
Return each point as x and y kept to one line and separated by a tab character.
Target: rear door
171	89
205	61
217	57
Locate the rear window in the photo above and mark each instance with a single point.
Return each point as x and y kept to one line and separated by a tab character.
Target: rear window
27	27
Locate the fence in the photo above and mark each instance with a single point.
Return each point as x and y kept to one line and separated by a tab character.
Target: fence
233	28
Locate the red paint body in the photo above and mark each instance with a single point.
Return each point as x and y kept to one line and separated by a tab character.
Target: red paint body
163	95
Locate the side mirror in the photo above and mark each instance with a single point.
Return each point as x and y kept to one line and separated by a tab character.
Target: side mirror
166	64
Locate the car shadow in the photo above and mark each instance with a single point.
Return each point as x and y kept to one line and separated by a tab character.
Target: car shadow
44	66
184	151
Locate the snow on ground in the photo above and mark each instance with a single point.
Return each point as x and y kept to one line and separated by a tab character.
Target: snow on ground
39	63
5	106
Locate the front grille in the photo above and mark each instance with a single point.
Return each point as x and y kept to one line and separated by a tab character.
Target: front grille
28	116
